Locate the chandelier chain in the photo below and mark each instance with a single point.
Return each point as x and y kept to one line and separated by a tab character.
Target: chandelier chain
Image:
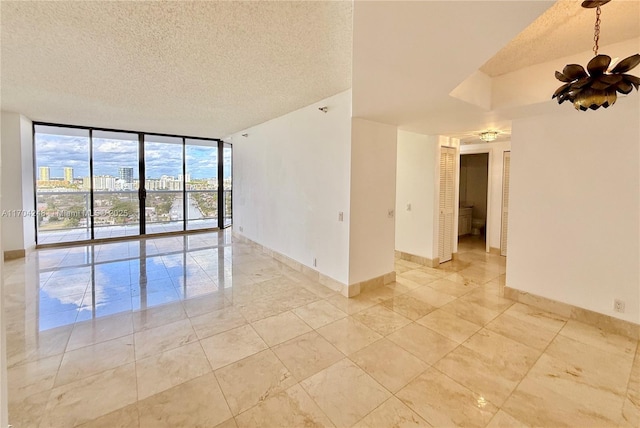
596	31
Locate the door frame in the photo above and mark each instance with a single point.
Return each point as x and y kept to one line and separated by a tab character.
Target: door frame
478	151
436	200
504	156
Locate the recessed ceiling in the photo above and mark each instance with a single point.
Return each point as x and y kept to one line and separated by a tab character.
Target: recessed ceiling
565	29
405	76
409	57
195	68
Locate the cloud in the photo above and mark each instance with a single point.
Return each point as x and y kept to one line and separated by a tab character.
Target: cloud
60	151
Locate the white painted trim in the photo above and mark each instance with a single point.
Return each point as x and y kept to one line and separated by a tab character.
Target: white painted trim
504	156
436	204
456	200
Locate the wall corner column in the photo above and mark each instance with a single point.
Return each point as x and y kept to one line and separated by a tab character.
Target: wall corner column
372	205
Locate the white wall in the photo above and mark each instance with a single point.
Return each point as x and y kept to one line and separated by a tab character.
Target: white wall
28	185
415	185
373	195
4	402
496	165
292	178
12	236
17	184
418	183
575	207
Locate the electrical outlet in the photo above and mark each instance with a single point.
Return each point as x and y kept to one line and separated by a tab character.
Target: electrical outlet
315	262
340	216
618	305
241	229
390	213
408	207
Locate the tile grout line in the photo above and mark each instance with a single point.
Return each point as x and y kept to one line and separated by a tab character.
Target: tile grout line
224	396
326	299
135	369
299	382
432	365
636	361
393	394
544	351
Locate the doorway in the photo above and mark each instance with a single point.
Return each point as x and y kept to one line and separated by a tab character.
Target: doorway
473	206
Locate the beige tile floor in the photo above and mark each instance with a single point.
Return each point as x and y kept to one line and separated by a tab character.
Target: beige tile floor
198	331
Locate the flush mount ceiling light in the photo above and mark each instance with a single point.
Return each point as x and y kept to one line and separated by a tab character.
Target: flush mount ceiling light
598	87
488	136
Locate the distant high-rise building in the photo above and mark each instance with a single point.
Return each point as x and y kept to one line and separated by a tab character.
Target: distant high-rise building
104	182
165	180
44	173
68	174
125	174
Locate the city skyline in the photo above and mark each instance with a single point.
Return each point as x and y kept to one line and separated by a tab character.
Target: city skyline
44	175
110	155
123	181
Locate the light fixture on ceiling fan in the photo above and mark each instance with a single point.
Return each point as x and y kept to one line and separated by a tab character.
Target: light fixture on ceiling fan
598	87
489	136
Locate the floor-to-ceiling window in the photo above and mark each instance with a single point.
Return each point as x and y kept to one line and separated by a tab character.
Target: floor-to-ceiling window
97	183
164	184
116	211
63	199
202	184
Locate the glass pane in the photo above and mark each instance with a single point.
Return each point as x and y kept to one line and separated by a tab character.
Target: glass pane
62	184
203	210
227	163
164	205
116	210
202	183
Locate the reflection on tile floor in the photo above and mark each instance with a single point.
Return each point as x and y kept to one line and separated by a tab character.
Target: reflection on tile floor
198	330
114	231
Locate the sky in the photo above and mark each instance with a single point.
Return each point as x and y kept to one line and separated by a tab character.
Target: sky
59	151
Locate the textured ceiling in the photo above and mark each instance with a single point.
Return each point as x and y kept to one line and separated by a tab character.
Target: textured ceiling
565	29
194	68
208	68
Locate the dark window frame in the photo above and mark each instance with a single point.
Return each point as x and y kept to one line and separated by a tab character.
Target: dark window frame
220	144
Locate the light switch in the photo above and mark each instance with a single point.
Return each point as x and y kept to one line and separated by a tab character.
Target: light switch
408	207
340	216
390	213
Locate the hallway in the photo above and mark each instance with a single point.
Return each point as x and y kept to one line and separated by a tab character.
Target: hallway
199	330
